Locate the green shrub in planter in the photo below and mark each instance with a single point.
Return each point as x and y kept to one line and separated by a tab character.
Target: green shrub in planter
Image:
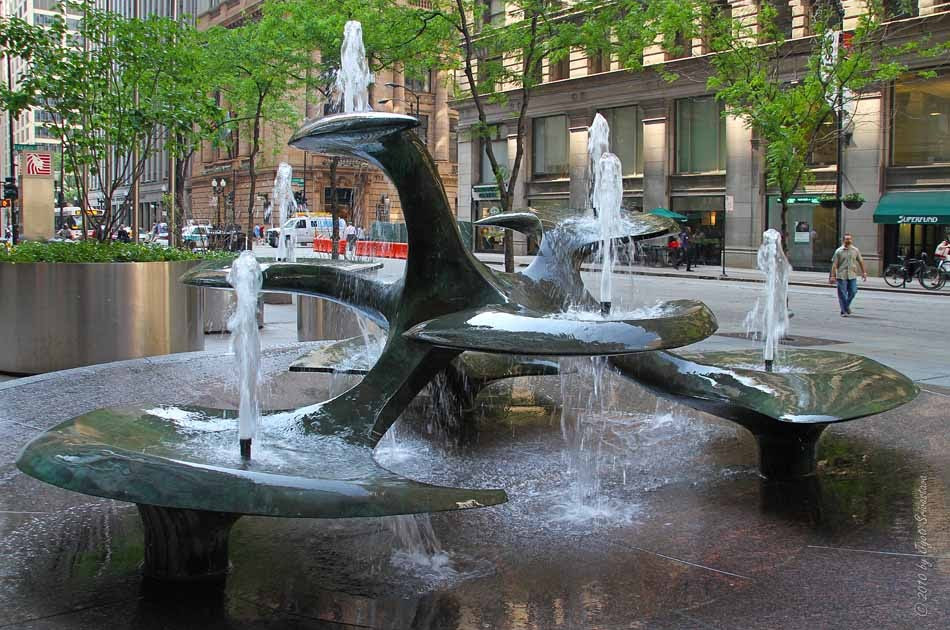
96	252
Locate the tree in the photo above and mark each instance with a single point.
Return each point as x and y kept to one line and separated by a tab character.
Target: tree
795	95
503	47
258	66
294	47
85	80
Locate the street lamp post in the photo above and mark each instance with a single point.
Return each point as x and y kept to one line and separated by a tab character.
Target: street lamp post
218	189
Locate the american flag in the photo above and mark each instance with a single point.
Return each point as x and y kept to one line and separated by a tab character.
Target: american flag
39	163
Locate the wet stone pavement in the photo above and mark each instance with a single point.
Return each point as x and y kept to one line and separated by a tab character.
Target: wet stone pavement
682	533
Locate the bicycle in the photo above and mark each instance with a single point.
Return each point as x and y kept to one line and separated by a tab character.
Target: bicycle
943	272
904	273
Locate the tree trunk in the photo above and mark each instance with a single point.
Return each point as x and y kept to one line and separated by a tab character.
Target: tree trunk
182	170
508	240
784	223
334	212
252	173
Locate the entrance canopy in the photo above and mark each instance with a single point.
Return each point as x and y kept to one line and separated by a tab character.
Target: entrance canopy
669	214
923	208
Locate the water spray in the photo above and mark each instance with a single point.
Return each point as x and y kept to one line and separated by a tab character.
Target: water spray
246	278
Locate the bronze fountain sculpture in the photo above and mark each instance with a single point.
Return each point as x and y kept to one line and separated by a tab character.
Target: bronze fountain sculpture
449	313
447	303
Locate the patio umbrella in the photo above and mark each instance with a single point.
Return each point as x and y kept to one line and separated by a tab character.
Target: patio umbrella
669	214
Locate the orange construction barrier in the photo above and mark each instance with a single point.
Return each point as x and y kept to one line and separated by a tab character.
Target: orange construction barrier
374	249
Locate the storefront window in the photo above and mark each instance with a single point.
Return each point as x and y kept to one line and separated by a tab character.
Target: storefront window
705	215
912	240
626	137
812	229
921	129
500	150
549	145
489	238
700	135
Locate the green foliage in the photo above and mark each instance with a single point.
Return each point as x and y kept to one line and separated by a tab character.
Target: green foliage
853	197
87	80
95	252
791	92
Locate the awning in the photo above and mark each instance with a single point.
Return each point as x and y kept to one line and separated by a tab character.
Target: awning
926	208
669	214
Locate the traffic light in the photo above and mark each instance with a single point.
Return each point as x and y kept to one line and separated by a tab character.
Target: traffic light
10	190
6	203
300	198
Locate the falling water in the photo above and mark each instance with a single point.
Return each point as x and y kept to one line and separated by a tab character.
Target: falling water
607	199
769	316
585	411
246	278
283	196
598	143
354	75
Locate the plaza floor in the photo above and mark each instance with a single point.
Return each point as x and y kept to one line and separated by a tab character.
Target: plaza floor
677	532
685	534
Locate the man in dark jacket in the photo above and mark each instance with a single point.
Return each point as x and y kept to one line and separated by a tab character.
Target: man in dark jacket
686	249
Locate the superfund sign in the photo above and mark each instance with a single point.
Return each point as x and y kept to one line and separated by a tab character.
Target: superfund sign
905	219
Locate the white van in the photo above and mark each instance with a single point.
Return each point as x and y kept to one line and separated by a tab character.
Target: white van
305	229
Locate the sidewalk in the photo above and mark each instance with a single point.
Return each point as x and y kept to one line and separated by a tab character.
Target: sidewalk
733	274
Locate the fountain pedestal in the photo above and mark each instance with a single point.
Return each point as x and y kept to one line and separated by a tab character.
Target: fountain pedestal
789	454
186	545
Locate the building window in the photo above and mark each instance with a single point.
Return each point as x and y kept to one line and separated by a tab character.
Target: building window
920	134
494	12
824	151
626	137
487	71
422	84
423	129
499	145
706	216
453	141
597	61
549	145
700	135
559	70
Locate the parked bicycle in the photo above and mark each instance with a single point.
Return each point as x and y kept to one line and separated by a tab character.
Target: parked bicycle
907	269
943	273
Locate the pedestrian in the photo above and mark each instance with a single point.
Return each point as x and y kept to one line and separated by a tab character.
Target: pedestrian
685	252
350	234
942	255
844	271
257	234
673	250
123	235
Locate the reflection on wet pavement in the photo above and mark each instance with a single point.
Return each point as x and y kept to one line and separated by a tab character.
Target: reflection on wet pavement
704	543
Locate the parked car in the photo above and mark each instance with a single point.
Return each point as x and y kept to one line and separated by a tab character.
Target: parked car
305	229
195	236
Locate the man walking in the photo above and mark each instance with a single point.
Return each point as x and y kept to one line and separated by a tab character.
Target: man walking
685	248
844	270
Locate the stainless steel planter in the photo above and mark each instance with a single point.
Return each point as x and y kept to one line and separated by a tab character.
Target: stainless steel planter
319	319
55	316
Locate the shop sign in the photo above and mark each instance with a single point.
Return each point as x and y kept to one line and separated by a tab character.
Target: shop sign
811	199
486	192
905	219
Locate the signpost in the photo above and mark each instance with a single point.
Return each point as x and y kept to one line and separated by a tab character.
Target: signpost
26	147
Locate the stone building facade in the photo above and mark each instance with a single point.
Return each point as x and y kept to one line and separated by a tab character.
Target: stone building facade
679	153
364	194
